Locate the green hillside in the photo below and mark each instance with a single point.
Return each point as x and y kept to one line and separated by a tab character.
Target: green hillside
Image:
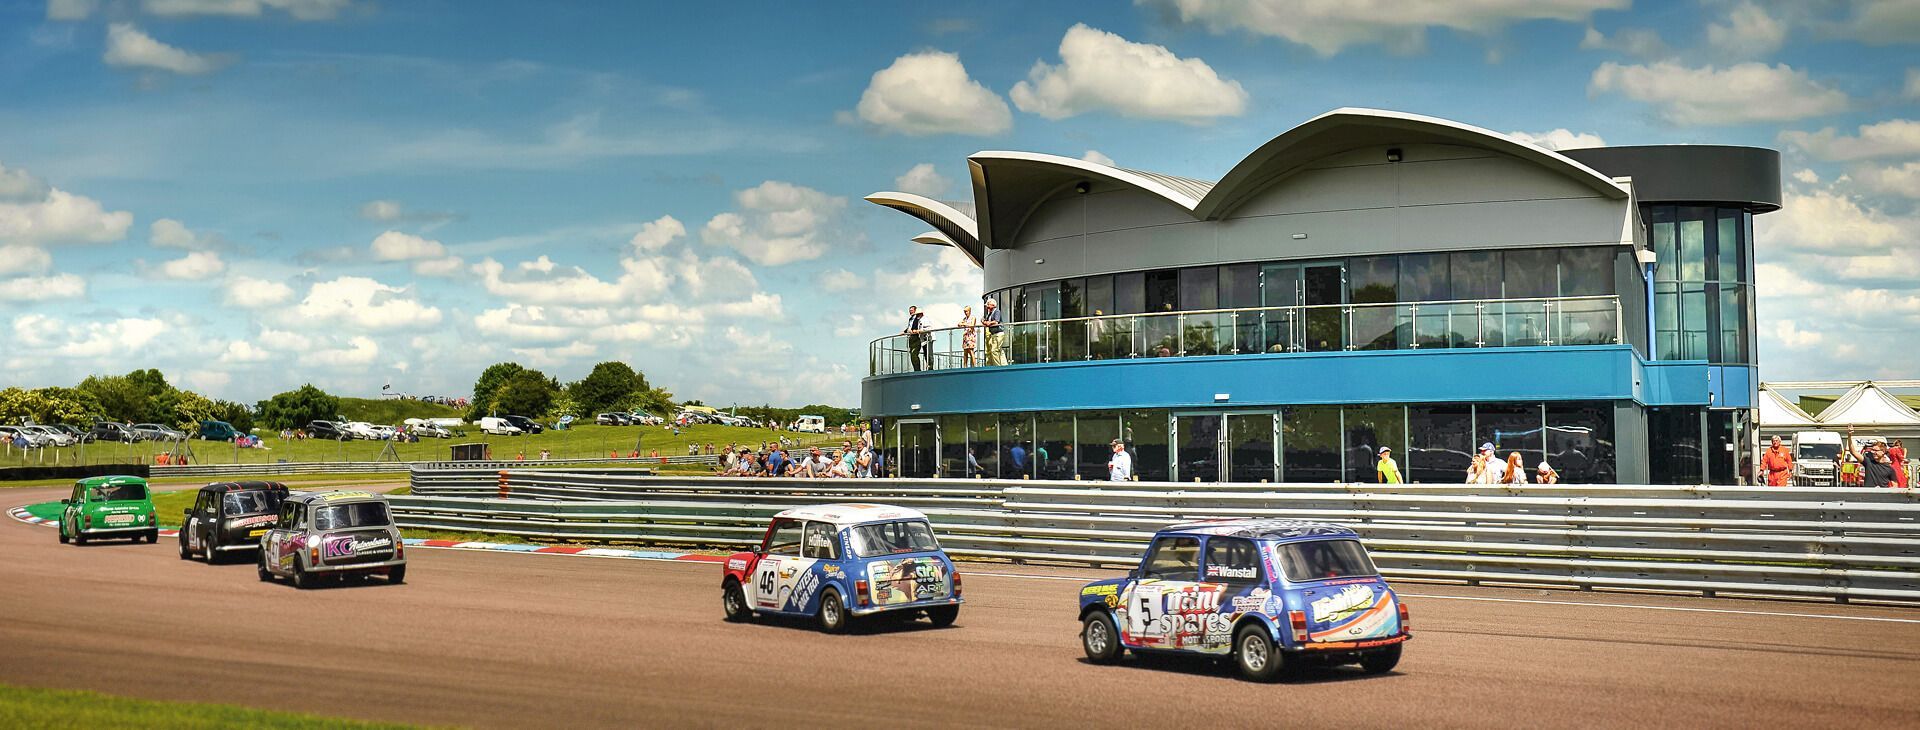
392	410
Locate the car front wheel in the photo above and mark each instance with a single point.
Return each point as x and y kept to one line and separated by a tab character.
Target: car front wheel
266	576
63	534
300	577
1100	638
734	602
1254	652
185	554
1381	661
833	614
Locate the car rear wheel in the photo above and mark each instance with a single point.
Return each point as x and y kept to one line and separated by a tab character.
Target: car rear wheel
943	616
1380	661
153	536
1257	657
397	575
734	602
1100	638
833	613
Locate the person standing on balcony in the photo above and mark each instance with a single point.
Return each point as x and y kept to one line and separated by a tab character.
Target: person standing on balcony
1120	466
1778	463
996	334
1387	471
1516	470
968	336
916	333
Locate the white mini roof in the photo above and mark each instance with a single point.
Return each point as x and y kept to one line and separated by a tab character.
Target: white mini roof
1867	405
851	514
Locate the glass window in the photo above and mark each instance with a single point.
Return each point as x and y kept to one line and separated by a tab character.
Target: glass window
1374	280
118	492
1199	288
1233	560
821	543
289	516
892	538
1014	305
1146	441
1586	271
1016	446
782	539
1693	322
1310	440
983	445
1693	244
1423	278
356	514
1727	246
953	446
1053	450
1440	444
1129	293
250	502
1733	347
1476	274
1099	296
1511	429
1163	291
1530	273
1660	229
1324	559
1173	558
1239	286
1096	431
1579	443
1072	301
1367	429
1674	433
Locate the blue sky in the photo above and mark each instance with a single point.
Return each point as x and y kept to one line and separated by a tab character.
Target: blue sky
251	194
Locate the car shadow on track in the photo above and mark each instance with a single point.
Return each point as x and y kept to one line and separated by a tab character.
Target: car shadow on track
1222	668
869	626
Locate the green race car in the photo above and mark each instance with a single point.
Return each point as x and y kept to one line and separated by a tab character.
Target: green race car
102	507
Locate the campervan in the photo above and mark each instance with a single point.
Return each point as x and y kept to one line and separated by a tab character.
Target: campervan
810	424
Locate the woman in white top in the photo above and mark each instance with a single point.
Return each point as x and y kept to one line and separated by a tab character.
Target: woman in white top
969	336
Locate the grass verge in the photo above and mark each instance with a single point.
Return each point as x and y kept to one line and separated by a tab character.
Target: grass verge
24	707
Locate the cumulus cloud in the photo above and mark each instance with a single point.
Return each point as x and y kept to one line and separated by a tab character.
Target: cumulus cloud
1713	96
19	259
358	352
1891	138
1643	43
1560	139
1748	31
522	323
71	9
380	210
129	47
777	223
241	352
194	266
931	93
366	304
1788	332
42	288
542	357
1827	220
296	9
18	186
657	233
56	216
397	246
922	179
541	281
1328	26
50	337
170	233
1901	180
840	280
250	293
1096	157
1100	71
441	267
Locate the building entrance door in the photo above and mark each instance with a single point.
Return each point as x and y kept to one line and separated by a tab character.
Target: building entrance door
1238	446
917	455
1320	287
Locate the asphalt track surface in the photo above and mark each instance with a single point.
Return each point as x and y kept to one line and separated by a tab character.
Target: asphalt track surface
510	640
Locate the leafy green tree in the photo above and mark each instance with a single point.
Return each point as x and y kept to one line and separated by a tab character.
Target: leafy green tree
236	414
527	392
607	387
490	380
46	405
121	398
190	408
295	408
652	400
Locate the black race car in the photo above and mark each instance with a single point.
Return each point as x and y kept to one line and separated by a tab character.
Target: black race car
229	516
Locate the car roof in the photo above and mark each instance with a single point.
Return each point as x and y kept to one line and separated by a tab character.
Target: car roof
1264	529
112	479
335	497
241	486
851	513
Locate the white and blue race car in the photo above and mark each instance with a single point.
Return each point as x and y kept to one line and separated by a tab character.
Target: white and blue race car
836	562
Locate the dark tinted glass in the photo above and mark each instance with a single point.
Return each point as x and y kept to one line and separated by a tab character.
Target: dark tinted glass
1423	277
1374	279
1072	298
1239	286
1440	443
1146	441
1674	433
1233	560
1476	274
1367	429
1324	559
1173	558
1199	288
1096	431
1099	296
1511	428
1580	442
1530	273
1586	271
1310	437
1129	293
358	514
1163	291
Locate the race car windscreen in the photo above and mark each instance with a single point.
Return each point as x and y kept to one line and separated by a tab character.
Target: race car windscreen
358	514
253	502
1324	559
888	538
118	492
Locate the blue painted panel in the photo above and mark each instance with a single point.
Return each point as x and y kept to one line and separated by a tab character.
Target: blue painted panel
1674	383
1734	386
1402	376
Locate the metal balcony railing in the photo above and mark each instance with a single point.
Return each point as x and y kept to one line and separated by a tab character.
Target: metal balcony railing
1538	322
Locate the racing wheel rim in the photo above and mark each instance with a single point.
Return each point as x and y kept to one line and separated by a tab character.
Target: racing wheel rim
1097	637
1254	653
830	612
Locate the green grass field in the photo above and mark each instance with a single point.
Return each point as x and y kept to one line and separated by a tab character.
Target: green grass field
23	707
574	443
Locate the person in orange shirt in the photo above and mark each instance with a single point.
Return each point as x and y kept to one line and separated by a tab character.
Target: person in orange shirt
1899	453
1777	462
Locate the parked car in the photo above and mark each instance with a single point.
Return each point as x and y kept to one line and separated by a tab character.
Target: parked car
1269	594
525	424
613	419
837	562
14	435
111	431
229	516
498	426
427	429
156	432
359	430
52	436
326	430
383	432
104	507
79	435
217	431
332	535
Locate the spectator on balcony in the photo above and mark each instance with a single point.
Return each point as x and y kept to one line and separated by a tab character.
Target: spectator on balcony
969	336
1018	456
1386	470
916	333
1120	466
996	334
1778	463
1546	474
1515	470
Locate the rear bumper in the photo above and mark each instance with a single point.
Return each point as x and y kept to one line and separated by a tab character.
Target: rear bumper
915	606
119	530
1361	645
357	567
242	546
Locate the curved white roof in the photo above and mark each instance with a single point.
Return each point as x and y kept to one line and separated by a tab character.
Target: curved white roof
959	228
1777	412
1867	405
851	514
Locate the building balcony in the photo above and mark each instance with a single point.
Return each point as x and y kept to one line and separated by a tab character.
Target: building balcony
1440	325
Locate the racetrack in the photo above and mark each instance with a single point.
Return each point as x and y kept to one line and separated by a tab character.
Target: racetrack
512	640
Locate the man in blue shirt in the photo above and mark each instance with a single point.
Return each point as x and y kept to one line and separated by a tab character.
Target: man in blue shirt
1018	455
776	463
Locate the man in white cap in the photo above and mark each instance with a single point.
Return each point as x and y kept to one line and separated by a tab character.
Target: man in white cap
1496	467
1387	471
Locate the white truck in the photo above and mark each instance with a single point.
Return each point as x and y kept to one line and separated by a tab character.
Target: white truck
810	424
1816	458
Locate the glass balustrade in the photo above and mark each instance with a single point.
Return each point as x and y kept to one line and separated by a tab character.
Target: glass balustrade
1325	328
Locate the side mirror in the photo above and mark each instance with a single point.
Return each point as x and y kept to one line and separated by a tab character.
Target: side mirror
1134	574
66	501
187	511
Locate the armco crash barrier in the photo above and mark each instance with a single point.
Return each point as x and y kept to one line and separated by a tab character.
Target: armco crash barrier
1846	544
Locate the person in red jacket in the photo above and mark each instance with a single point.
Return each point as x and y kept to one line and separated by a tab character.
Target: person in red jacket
1777	462
1899	453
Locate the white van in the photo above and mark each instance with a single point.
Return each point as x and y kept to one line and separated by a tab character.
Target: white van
498	427
810	424
1816	458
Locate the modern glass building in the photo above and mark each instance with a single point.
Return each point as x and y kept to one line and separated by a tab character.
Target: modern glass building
1366	279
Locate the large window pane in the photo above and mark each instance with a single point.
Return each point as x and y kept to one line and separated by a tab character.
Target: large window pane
1660	228
1239	286
1129	293
1199	288
1146	437
1163	291
1726	243
1367	429
1528	273
1693	322
1016	446
1250	447
1072	343
1511	428
1580	442
1374	280
1674	433
1733	310
1440	444
1476	274
1693	244
1053	450
953	446
1310	437
983	445
1586	271
1096	431
1099	297
1423	278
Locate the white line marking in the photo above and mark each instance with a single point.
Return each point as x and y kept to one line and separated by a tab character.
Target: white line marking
1668	608
1082	579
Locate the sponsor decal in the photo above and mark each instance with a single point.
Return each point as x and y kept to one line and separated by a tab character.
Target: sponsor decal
256	533
1348	601
1254	602
833	571
1105	590
804	590
345	546
736	564
1224	571
1176	616
238	522
331	496
908	580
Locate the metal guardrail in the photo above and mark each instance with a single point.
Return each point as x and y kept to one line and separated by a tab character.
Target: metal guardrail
1843	544
387	467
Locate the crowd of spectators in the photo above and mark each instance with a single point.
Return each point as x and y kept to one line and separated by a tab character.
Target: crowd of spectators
854	459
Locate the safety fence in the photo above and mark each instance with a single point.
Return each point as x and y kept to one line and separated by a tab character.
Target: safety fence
1844	544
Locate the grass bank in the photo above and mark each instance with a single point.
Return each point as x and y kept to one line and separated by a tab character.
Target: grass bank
24	707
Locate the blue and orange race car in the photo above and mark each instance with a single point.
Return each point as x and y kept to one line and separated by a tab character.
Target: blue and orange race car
838	561
1266	593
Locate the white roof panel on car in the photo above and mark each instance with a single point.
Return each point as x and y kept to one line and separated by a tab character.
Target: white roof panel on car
851	514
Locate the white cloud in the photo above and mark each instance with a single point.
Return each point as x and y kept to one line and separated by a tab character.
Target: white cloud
55	338
19	259
61	217
1709	95
251	293
366	304
713	278
18	185
1642	43
128	47
194	266
1328	26
397	246
1912	90
1779	280
1788	332
359	351
297	9
42	288
1560	139
283	340
1100	71
384	211
778	223
1902	180
1806	176
1748	32
170	233
71	9
657	233
840	280
446	266
521	323
1095	156
930	93
922	179
1891	138
240	352
1825	220
541	357
541	281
